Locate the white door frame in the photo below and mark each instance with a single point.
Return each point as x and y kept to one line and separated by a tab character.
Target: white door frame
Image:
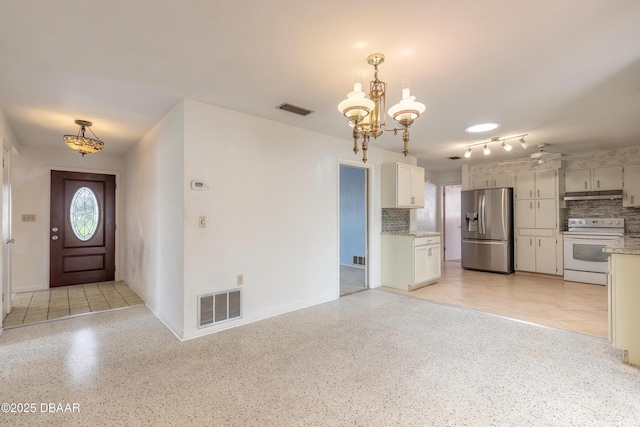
5	203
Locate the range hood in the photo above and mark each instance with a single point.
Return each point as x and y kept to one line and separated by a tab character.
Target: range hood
594	195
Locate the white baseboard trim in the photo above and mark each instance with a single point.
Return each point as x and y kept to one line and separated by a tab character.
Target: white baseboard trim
170	324
29	288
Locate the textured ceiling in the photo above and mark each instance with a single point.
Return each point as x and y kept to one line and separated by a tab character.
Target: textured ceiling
565	72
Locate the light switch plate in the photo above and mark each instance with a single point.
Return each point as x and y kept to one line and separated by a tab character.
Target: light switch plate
28	218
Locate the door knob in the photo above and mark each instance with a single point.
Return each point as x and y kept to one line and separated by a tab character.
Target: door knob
11	241
54	237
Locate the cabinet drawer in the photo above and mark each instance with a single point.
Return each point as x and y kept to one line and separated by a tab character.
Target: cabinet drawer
431	240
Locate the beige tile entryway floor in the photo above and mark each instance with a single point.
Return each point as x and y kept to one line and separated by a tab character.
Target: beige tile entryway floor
65	301
545	301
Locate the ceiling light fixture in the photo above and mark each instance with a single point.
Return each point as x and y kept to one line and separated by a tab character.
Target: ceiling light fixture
366	113
503	144
80	143
482	127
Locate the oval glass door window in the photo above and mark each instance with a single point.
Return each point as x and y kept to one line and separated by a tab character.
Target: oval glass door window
84	213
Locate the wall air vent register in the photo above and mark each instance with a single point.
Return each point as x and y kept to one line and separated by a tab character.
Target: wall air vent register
219	307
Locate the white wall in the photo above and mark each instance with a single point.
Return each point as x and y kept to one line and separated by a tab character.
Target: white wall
31	187
154	225
272	210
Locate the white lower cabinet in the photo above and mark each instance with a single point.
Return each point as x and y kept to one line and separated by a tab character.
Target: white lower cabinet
410	262
536	254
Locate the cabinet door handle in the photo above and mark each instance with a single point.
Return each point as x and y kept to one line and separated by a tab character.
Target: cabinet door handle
538	205
530	241
585	185
631	199
530	205
598	183
538	193
530	193
539	242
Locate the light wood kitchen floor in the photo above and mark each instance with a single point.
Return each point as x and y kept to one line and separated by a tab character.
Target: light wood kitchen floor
545	301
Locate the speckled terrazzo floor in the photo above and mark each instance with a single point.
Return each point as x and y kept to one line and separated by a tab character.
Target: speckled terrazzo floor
373	358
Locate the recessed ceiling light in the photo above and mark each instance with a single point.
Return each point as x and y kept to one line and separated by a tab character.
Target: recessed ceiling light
482	127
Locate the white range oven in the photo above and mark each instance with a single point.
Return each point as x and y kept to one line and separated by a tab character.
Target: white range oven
584	260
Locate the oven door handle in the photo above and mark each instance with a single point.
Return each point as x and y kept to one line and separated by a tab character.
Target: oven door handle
601	238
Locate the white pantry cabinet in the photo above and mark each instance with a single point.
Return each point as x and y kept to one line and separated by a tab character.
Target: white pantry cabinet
410	262
402	186
535	213
536	185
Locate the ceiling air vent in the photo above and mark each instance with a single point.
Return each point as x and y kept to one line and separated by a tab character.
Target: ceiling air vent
293	109
455	158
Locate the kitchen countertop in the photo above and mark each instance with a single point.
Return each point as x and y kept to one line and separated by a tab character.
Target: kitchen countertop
624	245
412	233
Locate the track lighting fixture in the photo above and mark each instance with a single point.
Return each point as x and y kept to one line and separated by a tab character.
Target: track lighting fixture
503	143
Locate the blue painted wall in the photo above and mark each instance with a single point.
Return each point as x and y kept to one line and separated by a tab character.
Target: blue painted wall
352	213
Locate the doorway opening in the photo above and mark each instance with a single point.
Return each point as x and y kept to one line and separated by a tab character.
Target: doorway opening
353	229
452	224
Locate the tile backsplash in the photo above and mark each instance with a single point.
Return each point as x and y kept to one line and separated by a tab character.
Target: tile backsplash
603	209
396	220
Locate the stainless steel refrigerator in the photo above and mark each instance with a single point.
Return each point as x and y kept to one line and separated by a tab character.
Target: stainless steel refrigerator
487	230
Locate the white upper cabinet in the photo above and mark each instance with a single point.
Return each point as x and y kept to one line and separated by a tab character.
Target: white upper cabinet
607	178
536	185
493	181
631	197
402	186
577	180
596	179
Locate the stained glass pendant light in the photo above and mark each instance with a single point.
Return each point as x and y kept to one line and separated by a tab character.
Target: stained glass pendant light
82	144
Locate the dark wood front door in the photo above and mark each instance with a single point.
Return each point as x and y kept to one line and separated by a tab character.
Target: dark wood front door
82	231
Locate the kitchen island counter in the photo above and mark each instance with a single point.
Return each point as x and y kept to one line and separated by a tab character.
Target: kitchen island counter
624	297
625	245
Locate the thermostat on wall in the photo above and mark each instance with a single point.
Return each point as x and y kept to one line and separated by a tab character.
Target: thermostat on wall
199	185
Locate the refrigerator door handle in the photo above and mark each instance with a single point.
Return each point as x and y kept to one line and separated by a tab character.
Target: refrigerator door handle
484	214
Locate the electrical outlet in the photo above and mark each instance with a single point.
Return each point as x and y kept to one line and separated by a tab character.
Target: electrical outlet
240	279
28	218
202	222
